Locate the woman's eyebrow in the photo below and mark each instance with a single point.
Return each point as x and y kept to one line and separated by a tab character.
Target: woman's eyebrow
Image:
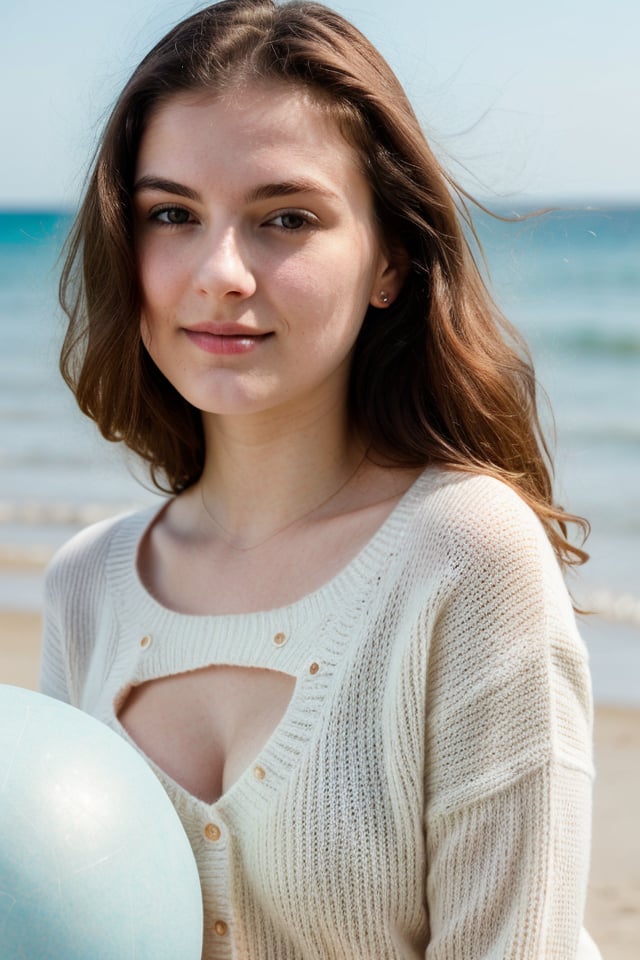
266	191
150	182
285	188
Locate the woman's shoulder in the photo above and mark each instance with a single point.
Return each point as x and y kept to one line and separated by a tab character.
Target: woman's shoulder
476	510
493	547
86	553
482	534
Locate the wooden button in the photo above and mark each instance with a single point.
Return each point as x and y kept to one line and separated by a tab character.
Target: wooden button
212	832
280	639
314	668
259	773
145	642
220	927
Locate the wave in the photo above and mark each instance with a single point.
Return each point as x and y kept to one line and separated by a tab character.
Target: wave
609	432
592	343
611	606
34	514
50	457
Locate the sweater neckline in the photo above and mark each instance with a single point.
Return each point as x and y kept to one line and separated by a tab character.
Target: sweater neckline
234	635
124	575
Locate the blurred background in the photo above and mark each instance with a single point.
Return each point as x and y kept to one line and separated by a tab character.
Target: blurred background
529	106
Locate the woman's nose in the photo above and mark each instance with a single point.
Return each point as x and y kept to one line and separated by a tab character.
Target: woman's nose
223	268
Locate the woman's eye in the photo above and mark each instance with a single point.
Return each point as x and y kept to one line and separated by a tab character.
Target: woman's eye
292	220
171	215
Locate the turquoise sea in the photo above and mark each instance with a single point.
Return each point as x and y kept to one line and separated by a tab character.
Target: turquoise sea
570	280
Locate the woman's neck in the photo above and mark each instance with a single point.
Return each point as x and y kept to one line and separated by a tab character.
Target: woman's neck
263	478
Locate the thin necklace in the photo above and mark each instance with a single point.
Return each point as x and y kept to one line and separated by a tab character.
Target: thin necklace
228	536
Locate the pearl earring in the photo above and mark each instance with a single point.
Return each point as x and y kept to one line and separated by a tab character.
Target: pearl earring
383	297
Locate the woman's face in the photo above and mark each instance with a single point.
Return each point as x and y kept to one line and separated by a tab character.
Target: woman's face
257	250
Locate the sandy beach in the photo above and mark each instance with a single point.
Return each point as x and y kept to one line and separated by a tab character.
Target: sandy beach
613	905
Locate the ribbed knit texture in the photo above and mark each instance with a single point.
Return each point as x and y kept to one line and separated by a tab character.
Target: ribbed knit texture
427	792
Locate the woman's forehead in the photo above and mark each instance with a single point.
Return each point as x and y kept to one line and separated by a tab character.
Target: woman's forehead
257	103
258	125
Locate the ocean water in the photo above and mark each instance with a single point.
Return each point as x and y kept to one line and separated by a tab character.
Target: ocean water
570	280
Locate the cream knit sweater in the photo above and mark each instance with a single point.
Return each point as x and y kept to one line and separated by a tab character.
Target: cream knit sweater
427	792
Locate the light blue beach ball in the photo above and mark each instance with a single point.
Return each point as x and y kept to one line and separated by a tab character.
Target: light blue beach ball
94	862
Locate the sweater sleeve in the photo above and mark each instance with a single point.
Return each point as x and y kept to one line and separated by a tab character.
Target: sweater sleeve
75	602
508	751
54	677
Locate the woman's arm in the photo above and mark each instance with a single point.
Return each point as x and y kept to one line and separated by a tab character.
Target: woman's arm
75	594
54	677
509	768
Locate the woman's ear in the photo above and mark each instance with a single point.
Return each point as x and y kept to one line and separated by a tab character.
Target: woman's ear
394	267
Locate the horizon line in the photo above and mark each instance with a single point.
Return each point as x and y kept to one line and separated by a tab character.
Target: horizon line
528	202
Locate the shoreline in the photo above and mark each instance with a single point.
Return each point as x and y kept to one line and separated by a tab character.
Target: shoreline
613	902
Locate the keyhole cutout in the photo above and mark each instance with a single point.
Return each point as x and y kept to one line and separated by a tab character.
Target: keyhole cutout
205	728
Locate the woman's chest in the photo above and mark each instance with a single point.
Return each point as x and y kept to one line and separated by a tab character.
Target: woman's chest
291	761
204	728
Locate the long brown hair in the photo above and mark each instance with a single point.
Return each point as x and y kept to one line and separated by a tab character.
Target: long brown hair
444	379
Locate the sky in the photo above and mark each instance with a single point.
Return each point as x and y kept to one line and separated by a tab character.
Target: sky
523	101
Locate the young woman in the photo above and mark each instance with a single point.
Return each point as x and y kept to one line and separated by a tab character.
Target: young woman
344	642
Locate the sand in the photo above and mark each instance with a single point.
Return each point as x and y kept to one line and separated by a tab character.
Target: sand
613	904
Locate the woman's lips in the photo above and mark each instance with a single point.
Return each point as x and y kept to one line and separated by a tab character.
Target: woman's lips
226	343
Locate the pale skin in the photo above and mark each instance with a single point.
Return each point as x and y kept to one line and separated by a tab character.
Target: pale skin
258	255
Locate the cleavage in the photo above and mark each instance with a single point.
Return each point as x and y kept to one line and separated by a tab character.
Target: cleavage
204	728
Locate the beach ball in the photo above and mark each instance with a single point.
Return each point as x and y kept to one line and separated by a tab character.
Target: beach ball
94	862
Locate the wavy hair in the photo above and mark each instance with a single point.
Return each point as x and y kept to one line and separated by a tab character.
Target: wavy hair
444	379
